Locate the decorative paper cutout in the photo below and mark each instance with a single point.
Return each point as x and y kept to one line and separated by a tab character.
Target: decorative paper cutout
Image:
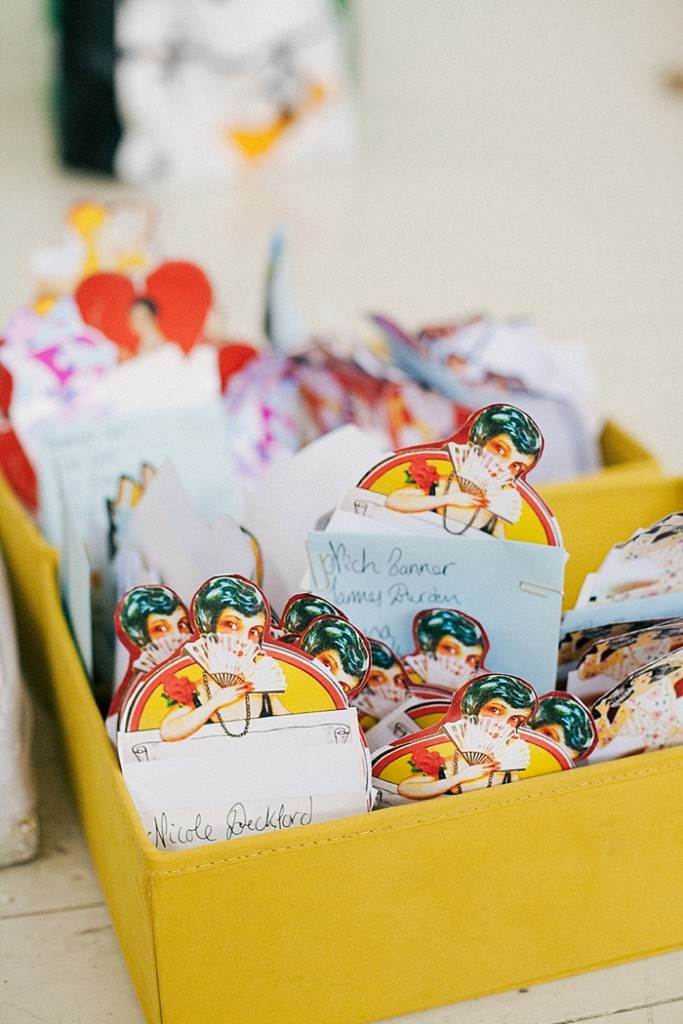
609	660
232	359
341	648
411	716
483	741
640	579
480	474
97	237
565	719
644	712
387	686
300	611
181	696
120	508
477	361
648	564
14	461
172	305
450	648
55	360
152	623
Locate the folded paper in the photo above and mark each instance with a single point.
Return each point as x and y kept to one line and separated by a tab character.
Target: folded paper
235	725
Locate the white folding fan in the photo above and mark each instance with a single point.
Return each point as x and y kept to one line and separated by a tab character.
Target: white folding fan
380	700
480	473
157	652
479	740
231	660
450	672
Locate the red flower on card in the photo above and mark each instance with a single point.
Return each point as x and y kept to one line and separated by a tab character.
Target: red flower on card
428	761
179	691
423	474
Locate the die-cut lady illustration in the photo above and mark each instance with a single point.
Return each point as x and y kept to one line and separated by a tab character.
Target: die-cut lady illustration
231	671
482	742
152	623
152	614
300	611
230	614
567	721
502	444
387	685
473	481
341	648
450	649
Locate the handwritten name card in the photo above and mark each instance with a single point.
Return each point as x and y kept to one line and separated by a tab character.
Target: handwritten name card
514	589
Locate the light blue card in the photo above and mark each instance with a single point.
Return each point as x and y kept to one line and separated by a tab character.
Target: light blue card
87	459
637	609
74	570
514	589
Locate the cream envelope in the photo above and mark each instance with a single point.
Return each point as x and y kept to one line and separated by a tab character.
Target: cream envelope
294	495
184	826
398	723
277	778
168	533
248	769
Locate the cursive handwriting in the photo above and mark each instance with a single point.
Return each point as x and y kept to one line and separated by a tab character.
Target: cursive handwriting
273	819
167	834
337	560
353	596
399	593
397	567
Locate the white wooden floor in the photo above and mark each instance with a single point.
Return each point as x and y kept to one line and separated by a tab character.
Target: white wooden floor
519	158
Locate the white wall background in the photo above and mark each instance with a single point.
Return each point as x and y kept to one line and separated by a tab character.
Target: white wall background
518	157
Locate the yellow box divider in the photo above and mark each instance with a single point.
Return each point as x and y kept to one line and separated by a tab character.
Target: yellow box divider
596	511
384	914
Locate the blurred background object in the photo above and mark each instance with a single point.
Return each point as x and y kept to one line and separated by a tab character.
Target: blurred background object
200	88
515	159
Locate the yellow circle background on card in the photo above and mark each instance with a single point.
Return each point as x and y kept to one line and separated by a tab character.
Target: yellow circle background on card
303	694
529	527
426	721
542	763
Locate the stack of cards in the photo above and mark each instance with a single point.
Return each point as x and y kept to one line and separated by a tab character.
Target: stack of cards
447	525
495	731
225	726
178	474
620	651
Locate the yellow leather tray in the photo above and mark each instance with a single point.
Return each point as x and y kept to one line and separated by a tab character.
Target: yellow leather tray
369	917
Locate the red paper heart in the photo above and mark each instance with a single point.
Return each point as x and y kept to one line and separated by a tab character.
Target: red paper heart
14	462
179	292
232	358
